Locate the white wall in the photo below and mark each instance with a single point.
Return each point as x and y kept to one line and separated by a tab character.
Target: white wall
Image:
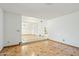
65	28
35	28
1	29
12	24
29	25
29	28
41	27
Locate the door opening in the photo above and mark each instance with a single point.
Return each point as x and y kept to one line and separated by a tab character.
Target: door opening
32	29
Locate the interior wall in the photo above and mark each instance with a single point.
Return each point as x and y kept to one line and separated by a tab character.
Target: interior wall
35	28
41	27
30	25
12	24
1	29
65	29
29	28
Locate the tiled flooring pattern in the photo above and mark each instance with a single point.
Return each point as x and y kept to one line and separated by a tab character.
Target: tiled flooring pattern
42	48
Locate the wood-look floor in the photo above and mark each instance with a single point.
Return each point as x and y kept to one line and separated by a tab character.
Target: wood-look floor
42	48
30	38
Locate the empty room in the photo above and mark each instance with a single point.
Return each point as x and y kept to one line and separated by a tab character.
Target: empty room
39	29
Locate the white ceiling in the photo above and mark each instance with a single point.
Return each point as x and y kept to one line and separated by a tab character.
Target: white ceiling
41	10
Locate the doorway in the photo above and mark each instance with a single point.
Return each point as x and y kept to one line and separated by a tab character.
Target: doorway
32	29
